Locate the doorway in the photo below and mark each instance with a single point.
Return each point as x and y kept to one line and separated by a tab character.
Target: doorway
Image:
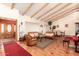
7	29
77	28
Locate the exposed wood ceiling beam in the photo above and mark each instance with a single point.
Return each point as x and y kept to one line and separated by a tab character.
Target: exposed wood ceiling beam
39	10
27	9
66	13
49	11
13	5
61	17
56	12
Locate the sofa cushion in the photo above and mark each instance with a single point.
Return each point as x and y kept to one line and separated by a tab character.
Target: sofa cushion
49	34
32	34
36	34
33	39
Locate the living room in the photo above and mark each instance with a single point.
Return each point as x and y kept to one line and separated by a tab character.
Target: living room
41	29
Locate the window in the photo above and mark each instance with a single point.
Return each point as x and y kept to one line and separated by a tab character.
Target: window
2	28
9	27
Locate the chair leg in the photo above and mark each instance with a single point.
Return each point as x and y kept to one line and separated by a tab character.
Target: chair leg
63	43
76	43
68	42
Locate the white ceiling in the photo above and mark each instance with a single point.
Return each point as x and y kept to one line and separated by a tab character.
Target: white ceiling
45	11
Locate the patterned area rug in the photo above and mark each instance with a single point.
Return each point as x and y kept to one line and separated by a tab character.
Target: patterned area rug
44	43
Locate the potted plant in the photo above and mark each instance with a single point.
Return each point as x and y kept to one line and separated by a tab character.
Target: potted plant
50	23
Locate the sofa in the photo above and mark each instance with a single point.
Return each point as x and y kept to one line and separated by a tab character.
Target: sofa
49	35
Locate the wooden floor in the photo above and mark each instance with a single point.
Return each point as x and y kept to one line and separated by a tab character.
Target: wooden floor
54	49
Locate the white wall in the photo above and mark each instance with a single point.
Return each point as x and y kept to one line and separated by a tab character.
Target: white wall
70	20
32	25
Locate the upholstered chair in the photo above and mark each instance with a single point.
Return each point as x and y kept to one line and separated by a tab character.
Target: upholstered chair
30	41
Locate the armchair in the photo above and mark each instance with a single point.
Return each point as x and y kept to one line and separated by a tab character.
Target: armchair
30	41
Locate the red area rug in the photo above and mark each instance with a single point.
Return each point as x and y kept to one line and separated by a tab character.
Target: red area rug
13	49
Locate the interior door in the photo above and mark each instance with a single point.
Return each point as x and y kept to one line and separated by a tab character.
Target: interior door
7	29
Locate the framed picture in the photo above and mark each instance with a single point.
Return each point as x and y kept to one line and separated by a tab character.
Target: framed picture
21	23
41	25
66	25
57	26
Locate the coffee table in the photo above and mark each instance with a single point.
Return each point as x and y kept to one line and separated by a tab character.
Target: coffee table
42	36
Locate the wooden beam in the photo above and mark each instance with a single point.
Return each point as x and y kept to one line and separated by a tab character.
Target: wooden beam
27	9
57	14
64	15
39	10
64	12
49	10
13	5
56	11
68	13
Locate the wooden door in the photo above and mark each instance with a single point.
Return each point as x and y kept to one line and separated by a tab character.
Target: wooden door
7	29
